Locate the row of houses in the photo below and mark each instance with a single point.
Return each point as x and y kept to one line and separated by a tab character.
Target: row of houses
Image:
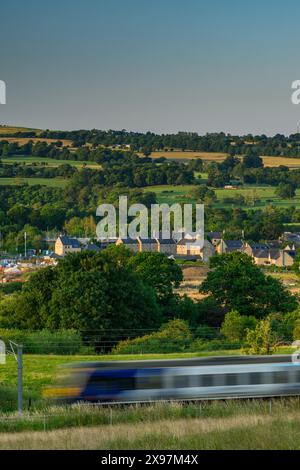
188	248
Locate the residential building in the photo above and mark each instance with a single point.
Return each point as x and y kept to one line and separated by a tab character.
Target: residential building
261	256
282	258
147	245
130	243
193	248
65	245
229	246
215	237
91	247
166	245
251	248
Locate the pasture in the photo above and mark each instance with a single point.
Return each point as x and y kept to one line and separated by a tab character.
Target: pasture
51	182
45	161
264	195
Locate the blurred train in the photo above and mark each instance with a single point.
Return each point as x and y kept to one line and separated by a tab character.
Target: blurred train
186	379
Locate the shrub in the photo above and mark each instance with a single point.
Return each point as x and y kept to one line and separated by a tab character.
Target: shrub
284	325
207	332
44	341
296	332
235	326
262	340
214	345
11	287
174	336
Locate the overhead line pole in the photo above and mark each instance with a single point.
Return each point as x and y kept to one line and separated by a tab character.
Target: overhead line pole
19	359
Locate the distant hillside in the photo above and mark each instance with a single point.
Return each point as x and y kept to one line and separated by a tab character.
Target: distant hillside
5	130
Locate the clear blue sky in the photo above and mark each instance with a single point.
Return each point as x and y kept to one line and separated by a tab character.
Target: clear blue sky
160	65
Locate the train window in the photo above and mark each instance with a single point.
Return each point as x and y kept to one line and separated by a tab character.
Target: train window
126	383
268	378
254	378
108	384
149	382
207	381
102	384
280	377
181	381
231	379
297	378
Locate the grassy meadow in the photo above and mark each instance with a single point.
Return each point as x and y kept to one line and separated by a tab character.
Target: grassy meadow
265	195
52	182
51	162
248	424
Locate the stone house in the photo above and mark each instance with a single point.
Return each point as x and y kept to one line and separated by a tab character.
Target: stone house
229	246
65	245
130	243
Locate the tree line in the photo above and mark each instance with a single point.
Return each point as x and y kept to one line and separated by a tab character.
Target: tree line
276	145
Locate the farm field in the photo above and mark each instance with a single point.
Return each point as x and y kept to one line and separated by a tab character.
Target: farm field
190	155
52	182
265	195
14	129
220	157
51	162
24	140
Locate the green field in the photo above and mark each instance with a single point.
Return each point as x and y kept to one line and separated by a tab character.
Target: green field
53	182
51	162
265	194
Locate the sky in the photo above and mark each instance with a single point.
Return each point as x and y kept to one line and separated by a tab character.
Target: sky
159	65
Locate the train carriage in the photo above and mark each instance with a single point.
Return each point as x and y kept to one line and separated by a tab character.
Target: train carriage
209	378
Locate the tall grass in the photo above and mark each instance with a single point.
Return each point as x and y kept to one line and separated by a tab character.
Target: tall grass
52	418
269	429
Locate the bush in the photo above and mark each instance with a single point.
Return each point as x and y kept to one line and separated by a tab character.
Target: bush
207	332
296	333
214	345
263	340
45	341
11	287
284	325
174	336
235	326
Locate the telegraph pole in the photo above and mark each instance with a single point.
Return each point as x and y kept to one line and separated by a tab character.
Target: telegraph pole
19	359
20	379
25	243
